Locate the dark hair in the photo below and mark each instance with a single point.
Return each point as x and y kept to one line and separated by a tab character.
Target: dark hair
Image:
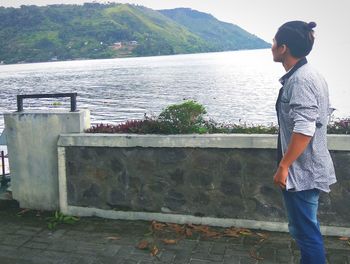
297	36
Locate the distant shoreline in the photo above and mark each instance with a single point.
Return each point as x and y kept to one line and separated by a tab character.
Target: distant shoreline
129	57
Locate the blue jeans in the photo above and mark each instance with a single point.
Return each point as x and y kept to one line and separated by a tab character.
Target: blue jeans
303	224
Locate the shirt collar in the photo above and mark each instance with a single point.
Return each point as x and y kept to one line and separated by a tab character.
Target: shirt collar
300	63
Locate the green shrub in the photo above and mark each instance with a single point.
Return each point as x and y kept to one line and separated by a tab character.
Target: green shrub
244	128
188	118
183	118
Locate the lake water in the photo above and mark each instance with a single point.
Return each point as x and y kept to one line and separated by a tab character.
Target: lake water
238	86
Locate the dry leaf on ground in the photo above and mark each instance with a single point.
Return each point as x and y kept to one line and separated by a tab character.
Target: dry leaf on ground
112	238
143	244
154	251
344	238
200	228
188	232
212	234
157	226
177	228
263	237
169	241
23	211
245	232
38	213
231	232
254	255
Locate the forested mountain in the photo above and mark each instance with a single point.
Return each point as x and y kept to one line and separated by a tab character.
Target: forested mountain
220	35
66	32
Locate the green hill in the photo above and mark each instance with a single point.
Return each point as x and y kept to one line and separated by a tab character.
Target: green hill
66	32
220	35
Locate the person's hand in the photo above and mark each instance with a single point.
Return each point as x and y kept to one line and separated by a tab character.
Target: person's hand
280	178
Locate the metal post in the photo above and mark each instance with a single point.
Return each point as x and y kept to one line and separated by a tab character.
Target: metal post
73	103
73	99
19	103
3	163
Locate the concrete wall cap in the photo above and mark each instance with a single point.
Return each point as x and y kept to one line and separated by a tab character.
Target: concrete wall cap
266	141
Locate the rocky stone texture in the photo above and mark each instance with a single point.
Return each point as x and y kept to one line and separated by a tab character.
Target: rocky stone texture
224	183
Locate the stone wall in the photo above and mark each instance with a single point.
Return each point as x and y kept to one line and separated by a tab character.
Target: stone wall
231	182
224	183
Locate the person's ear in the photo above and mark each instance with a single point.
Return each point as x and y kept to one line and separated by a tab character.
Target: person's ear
283	48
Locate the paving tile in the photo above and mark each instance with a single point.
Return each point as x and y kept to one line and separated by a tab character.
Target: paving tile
338	259
36	245
232	260
218	249
27	232
25	241
15	260
130	261
182	258
199	261
166	256
203	246
237	251
247	260
14	240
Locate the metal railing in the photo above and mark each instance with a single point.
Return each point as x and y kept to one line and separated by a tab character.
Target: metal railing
4	176
73	99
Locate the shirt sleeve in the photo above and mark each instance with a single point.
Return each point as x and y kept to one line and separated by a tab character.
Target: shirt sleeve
303	107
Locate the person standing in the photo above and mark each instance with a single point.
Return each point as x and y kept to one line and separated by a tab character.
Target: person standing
305	166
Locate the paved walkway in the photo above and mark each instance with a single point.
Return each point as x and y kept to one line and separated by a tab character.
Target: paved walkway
25	238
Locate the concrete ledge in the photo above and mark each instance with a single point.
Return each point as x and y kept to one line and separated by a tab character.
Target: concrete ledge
259	141
339	142
186	219
172	141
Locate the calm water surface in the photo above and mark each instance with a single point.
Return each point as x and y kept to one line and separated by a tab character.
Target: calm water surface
239	86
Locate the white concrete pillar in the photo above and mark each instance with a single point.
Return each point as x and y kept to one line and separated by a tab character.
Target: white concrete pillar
32	147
